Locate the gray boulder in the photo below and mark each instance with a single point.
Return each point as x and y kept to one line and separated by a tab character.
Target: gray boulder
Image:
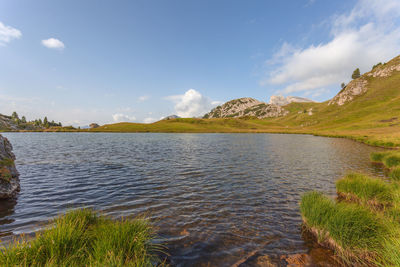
9	176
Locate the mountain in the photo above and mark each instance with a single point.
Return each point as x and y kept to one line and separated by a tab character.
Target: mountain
170	117
367	110
283	101
246	107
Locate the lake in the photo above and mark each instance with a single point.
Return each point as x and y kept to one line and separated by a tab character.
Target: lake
214	198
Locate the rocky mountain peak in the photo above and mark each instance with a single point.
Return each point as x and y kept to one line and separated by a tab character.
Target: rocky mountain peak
283	101
246	107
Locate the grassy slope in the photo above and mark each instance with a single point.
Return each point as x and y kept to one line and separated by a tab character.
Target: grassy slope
362	119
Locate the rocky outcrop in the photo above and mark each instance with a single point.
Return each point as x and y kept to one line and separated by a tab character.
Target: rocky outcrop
170	117
283	101
9	177
354	88
385	70
94	126
247	106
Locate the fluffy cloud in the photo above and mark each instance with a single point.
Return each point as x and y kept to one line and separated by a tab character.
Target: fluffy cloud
149	120
119	117
192	104
368	34
8	33
53	43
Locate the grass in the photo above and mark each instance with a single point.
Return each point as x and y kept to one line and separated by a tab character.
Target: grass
378	156
395	174
356	233
367	190
84	238
363	230
391	160
5	174
6	162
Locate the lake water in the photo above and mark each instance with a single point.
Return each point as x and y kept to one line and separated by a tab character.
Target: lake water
214	198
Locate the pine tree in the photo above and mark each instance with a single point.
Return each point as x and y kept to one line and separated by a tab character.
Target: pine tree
14	116
356	74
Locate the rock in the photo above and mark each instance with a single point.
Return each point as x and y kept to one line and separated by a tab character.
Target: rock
170	117
255	259
384	71
297	260
94	125
9	177
246	107
354	88
283	101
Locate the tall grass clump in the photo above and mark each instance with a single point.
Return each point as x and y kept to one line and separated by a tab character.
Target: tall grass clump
391	160
357	234
84	238
395	174
378	156
367	190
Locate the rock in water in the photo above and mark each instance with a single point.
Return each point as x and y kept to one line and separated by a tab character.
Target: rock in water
9	176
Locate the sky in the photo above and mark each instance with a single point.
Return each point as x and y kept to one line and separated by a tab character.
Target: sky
106	61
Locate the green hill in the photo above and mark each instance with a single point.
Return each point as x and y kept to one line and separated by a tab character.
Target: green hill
372	116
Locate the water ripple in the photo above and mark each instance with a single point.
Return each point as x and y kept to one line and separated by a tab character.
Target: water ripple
214	198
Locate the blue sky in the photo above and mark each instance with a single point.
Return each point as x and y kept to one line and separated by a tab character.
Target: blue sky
106	61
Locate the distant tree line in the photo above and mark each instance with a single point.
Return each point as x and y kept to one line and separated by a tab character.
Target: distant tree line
45	123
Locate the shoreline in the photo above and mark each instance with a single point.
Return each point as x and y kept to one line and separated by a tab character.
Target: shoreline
342	136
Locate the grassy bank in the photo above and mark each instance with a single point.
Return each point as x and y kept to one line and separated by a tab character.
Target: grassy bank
391	161
85	238
363	225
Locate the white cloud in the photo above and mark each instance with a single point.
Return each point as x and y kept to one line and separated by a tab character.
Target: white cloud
8	33
119	117
192	104
53	43
149	120
143	98
368	34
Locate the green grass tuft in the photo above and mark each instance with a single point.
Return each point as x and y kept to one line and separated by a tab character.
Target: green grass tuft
378	156
359	234
84	238
391	160
395	174
372	191
6	162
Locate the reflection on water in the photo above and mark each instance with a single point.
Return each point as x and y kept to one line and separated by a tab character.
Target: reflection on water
214	198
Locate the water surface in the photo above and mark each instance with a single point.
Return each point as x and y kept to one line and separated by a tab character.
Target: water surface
215	198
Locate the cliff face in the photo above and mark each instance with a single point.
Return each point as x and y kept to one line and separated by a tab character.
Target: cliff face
246	107
9	177
354	88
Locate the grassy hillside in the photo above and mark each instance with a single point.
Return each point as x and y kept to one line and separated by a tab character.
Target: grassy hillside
373	117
